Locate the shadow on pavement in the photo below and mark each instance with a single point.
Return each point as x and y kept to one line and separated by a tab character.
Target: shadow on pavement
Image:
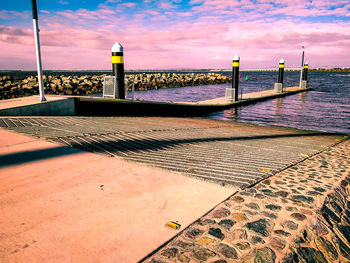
35	155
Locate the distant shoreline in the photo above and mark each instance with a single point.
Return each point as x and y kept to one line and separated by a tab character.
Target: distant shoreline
175	70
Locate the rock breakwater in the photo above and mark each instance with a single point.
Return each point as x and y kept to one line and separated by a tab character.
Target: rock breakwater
11	87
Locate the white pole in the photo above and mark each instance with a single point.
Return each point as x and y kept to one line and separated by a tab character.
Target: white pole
37	49
301	69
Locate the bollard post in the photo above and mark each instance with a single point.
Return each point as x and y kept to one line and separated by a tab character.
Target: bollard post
306	67
279	85
118	69
37	50
235	77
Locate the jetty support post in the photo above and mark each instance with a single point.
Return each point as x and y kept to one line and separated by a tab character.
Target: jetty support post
304	81
37	50
235	77
279	85
301	69
118	69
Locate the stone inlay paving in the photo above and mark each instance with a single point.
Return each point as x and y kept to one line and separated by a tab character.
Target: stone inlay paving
233	154
301	214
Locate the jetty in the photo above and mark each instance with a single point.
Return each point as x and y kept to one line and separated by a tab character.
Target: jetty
97	106
79	185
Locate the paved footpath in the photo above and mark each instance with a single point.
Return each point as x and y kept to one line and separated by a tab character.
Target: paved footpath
60	204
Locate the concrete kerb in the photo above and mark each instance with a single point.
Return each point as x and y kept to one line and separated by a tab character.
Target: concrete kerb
59	107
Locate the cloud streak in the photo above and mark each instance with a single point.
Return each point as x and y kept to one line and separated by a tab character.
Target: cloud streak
164	35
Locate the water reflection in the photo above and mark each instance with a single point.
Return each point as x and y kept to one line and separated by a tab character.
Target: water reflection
278	106
302	99
231	114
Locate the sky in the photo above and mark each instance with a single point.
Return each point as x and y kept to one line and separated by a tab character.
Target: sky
178	34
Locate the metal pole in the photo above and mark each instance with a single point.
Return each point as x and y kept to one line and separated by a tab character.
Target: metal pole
235	76
118	69
301	69
133	88
37	49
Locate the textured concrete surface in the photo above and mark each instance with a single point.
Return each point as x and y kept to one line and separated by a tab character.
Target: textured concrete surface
299	215
233	154
60	204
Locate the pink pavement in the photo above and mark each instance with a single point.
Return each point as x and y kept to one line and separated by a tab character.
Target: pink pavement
83	207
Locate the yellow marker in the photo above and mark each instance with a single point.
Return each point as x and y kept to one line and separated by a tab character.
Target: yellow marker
173	225
323	145
306	66
305	154
235	64
281	65
266	169
117	59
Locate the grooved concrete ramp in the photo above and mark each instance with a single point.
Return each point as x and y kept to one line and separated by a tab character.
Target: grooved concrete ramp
233	154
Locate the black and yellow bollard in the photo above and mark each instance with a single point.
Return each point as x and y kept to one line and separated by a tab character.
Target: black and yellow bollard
118	69
279	85
305	71
235	77
281	71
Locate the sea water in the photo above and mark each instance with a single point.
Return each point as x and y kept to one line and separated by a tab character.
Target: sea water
326	108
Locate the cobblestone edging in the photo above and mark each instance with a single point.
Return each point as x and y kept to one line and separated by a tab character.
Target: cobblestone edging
299	215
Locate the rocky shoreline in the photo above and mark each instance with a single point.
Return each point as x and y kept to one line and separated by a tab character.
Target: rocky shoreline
11	87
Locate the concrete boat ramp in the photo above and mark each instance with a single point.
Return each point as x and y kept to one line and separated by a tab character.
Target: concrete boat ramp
102	189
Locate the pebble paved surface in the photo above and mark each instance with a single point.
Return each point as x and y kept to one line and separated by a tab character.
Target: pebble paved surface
230	154
301	214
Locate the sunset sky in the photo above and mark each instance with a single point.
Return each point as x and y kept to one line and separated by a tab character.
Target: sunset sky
179	34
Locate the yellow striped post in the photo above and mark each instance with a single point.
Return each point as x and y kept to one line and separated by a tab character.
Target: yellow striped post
281	71
235	75
306	67
118	69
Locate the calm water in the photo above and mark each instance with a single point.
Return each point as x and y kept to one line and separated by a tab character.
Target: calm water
327	108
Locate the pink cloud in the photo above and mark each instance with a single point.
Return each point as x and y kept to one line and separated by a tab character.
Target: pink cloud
82	39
